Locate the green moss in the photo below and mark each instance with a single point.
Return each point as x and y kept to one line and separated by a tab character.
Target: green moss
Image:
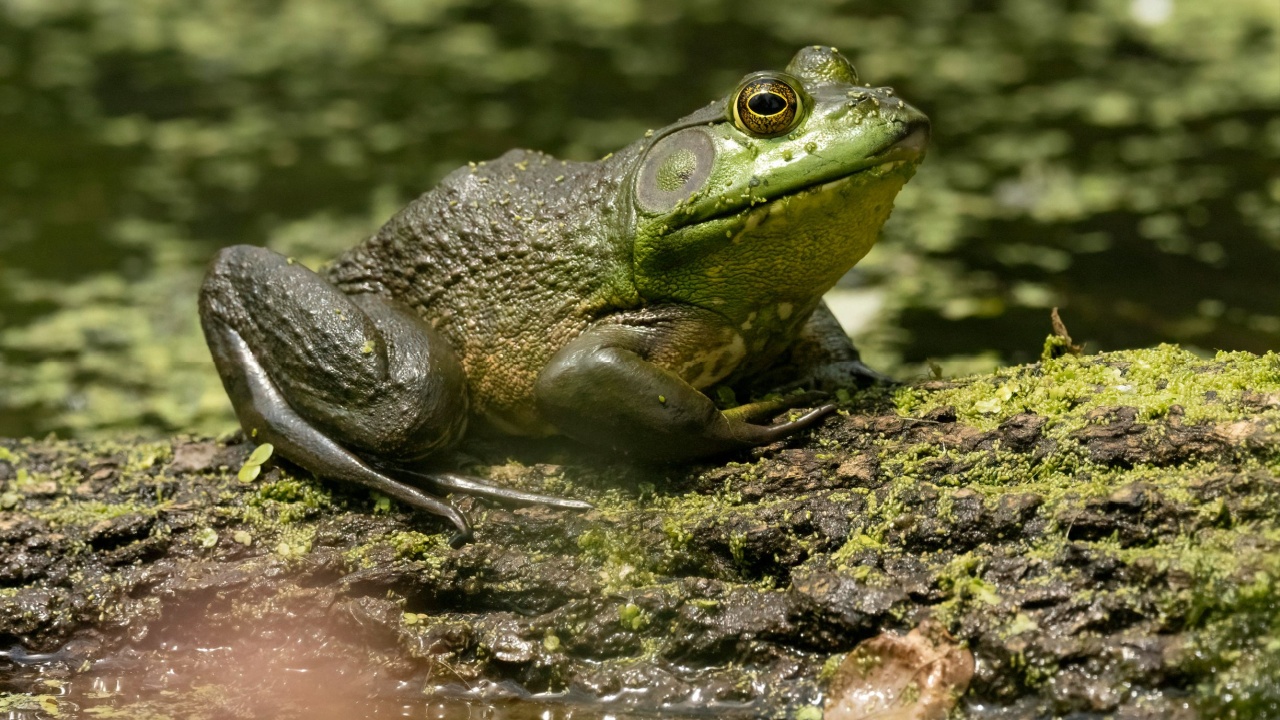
292	499
294	541
89	512
1152	381
412	545
20	704
633	617
1235	648
1191	552
829	668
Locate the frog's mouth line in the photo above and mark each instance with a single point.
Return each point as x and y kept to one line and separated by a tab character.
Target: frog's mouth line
909	149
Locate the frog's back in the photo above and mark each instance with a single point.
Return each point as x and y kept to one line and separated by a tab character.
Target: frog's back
510	260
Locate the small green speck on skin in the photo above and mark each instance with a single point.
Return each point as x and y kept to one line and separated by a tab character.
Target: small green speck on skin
367	348
910	693
551	642
662	399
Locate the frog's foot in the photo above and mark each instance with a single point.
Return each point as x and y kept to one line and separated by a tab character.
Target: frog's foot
768	408
848	373
467	485
601	389
830	377
336	383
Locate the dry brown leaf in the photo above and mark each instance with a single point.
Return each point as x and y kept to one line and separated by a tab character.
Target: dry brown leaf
891	677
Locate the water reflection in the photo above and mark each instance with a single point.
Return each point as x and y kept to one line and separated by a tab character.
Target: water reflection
293	666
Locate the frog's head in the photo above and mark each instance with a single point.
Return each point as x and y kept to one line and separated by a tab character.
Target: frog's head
768	196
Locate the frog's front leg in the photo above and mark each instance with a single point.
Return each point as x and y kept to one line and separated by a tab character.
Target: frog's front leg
821	358
348	387
611	387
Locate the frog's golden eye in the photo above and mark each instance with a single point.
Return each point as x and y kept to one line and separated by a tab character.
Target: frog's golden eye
766	105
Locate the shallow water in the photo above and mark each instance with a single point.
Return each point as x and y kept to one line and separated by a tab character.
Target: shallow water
292	667
225	681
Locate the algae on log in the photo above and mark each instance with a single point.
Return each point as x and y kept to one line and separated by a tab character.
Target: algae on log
1103	532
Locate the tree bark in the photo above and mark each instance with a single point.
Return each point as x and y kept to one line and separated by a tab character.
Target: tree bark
1102	532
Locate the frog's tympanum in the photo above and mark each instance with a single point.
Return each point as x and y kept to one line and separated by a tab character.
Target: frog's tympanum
598	300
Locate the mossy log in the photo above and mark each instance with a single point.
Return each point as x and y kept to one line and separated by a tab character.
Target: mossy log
1103	532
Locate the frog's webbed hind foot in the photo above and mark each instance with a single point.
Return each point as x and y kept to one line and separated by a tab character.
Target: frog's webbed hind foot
335	382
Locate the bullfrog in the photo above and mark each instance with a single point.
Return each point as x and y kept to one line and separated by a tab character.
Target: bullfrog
598	300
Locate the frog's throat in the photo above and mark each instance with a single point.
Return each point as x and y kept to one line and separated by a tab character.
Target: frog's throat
787	251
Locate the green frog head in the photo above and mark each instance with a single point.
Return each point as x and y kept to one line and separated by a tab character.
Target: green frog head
757	204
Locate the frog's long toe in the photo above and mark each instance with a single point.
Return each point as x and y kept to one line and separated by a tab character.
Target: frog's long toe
468	485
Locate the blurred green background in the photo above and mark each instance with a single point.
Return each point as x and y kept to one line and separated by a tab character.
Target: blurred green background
1119	158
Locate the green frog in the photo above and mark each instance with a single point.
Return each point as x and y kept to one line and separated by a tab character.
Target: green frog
597	300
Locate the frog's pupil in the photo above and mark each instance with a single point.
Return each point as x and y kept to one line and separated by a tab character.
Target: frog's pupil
767	103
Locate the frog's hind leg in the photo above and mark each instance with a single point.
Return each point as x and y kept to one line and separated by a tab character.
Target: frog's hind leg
337	383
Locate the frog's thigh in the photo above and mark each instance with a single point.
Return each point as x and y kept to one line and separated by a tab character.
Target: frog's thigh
602	388
361	370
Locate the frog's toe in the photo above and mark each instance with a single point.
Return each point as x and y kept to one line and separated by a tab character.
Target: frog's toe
468	485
